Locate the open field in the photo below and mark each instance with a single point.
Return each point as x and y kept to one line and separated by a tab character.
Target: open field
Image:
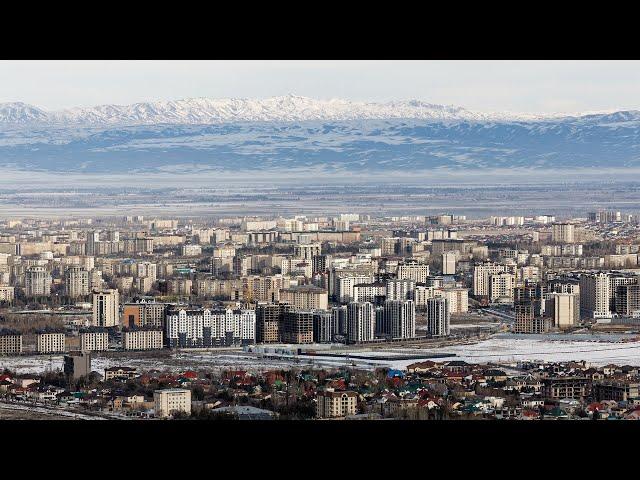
598	349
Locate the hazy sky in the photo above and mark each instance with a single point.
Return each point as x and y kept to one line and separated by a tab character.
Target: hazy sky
521	86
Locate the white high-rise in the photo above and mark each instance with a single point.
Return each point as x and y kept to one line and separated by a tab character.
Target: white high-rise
562	232
418	272
594	295
361	322
37	282
400	289
399	319
106	305
77	281
481	274
438	316
449	263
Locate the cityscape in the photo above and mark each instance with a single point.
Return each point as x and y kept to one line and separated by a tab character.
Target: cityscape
352	316
337	254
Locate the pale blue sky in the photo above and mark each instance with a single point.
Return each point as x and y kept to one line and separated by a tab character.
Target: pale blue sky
518	86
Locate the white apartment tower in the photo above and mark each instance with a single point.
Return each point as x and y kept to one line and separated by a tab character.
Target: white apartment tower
400	289
449	263
399	319
77	281
106	304
563	232
418	272
37	282
438	316
361	322
501	287
594	295
481	274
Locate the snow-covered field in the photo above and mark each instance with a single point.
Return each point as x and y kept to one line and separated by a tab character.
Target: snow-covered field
598	349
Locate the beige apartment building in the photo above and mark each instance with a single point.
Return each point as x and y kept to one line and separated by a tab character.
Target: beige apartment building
94	341
142	339
10	343
333	404
561	308
144	314
171	400
563	232
7	293
50	342
77	281
305	297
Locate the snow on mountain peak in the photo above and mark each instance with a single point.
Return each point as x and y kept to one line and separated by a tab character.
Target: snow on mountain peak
287	108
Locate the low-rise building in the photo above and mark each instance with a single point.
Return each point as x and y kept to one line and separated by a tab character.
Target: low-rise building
332	404
77	364
95	340
50	342
564	387
169	401
10	342
123	373
617	391
143	338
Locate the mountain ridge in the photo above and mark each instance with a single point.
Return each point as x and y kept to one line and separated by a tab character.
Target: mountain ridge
202	110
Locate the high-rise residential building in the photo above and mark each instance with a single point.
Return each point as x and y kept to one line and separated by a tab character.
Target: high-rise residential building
93	239
259	288
324	326
106	306
481	275
332	404
344	291
361	322
297	326
449	263
567	285
501	287
7	293
457	298
399	319
307	251
528	309
561	307
412	270
196	327
617	280
319	263
400	289
438	317
77	281
563	232
77	364
369	292
190	250
339	314
142	338
604	217
268	322
627	301
594	295
305	297
37	282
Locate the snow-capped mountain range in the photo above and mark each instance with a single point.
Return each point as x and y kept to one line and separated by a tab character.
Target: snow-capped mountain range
339	137
290	108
